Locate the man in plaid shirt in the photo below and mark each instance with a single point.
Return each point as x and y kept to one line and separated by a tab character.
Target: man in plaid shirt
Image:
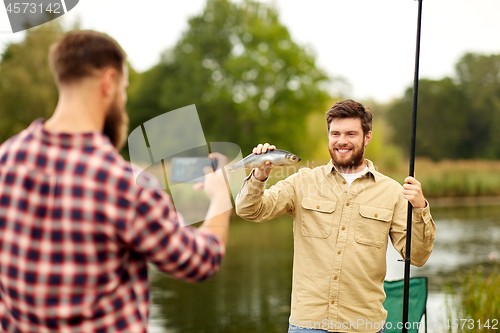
76	230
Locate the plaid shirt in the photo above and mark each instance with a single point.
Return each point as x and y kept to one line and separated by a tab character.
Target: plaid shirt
76	232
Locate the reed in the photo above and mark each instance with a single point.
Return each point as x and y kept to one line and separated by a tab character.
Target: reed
475	302
463	178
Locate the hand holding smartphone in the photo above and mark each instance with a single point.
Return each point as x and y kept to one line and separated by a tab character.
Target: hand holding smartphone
190	169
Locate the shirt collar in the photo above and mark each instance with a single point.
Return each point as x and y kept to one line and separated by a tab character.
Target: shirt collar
73	140
330	168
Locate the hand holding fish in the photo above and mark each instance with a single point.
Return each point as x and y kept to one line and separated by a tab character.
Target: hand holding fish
263	172
263	158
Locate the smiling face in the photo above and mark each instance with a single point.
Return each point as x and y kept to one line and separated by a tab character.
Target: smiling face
347	143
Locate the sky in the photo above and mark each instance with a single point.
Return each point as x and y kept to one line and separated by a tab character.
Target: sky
371	44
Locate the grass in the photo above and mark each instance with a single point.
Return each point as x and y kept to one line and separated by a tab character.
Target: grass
463	178
455	179
477	299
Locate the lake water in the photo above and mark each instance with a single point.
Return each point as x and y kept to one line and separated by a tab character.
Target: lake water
251	293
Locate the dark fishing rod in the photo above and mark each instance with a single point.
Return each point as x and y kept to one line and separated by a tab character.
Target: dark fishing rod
406	290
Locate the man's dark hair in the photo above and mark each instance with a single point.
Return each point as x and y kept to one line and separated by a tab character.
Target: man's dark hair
350	109
79	54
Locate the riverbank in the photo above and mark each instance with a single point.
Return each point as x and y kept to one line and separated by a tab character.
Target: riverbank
442	181
462	179
251	292
464	201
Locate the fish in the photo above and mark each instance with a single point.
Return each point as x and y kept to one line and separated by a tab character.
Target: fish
277	157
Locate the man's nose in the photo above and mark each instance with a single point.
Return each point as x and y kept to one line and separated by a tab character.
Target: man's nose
342	140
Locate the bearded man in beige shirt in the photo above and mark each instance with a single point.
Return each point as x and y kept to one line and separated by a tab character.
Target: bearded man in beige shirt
344	212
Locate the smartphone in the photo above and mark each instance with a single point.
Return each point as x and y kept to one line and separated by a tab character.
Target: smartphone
190	169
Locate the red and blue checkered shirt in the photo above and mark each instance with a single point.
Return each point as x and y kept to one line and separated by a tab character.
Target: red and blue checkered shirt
76	232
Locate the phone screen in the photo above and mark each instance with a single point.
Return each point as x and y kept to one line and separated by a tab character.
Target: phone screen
190	169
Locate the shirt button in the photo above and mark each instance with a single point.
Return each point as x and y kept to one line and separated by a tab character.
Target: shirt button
376	215
335	277
333	302
347	204
343	228
424	214
417	215
339	252
344	182
317	207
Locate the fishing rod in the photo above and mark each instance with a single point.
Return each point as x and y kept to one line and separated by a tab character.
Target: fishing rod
406	288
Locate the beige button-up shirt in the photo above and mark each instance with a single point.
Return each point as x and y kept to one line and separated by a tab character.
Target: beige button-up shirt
340	240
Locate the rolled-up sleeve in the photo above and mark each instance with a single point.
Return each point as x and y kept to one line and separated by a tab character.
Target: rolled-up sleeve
186	253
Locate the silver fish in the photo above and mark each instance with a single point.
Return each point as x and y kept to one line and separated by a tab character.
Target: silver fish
276	156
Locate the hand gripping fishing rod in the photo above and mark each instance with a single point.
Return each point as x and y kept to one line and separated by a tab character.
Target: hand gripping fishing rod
406	290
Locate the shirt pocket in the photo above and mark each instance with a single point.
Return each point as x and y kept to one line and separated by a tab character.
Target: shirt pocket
317	217
373	225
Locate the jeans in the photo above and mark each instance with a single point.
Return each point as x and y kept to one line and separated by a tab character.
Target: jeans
296	329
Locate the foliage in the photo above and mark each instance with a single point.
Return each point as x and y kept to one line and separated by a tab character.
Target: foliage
385	155
479	77
27	89
456	118
442	120
252	83
249	81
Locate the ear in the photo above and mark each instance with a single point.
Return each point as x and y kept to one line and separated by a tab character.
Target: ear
368	138
109	82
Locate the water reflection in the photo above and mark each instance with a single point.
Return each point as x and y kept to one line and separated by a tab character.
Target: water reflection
251	293
465	235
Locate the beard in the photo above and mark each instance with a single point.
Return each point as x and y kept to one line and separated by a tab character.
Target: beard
116	124
356	159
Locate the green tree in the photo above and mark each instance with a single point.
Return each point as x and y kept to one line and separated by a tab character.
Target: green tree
250	82
384	154
27	89
457	118
479	77
442	120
